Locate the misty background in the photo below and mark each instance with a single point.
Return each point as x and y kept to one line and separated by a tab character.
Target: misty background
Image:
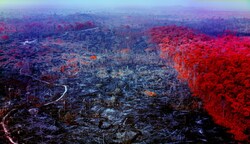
229	5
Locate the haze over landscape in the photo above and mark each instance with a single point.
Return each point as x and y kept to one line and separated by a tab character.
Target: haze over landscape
94	4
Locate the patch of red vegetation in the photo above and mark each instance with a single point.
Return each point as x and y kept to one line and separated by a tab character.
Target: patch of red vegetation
5	37
93	57
71	69
49	77
217	71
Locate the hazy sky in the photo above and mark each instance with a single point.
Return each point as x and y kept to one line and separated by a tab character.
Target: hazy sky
211	4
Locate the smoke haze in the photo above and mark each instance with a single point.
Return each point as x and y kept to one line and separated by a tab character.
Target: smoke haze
94	4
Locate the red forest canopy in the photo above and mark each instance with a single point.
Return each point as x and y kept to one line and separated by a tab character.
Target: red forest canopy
217	71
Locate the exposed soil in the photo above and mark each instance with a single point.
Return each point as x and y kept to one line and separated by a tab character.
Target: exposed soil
110	104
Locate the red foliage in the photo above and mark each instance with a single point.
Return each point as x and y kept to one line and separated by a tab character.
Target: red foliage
71	69
217	71
2	27
85	25
5	37
93	57
49	77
